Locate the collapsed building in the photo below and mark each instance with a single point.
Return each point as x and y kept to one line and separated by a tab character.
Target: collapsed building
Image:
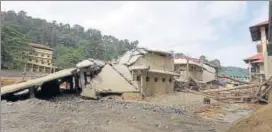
140	72
191	69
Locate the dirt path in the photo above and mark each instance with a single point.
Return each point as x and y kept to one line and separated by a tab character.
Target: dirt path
72	114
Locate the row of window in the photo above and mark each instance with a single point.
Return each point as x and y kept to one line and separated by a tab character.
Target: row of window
42	62
37	54
147	79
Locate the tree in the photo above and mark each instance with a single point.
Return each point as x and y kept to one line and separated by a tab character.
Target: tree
216	62
14	45
178	54
68	41
203	58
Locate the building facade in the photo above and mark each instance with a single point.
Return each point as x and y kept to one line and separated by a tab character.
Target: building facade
40	59
259	34
256	66
141	72
154	72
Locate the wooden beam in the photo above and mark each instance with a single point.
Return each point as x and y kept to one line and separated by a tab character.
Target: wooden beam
234	88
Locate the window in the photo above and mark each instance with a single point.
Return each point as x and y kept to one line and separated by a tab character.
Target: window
155	79
48	56
42	55
138	78
163	79
170	80
147	79
36	60
30	59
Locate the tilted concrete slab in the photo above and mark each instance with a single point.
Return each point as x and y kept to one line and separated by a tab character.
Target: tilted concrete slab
110	81
37	81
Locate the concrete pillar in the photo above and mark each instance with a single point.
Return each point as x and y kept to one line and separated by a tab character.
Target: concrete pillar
265	55
32	92
38	68
82	79
71	83
77	83
85	78
142	89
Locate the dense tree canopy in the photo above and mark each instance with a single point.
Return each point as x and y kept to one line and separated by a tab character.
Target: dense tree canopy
70	43
13	44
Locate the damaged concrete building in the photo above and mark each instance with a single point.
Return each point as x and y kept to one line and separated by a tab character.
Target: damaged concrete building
203	73
184	63
140	72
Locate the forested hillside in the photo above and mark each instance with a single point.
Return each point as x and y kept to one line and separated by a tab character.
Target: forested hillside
71	43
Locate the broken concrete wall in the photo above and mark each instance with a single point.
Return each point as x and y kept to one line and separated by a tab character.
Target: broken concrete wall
109	80
165	63
209	74
158	84
195	72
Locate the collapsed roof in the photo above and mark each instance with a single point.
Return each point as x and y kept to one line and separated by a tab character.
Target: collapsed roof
132	56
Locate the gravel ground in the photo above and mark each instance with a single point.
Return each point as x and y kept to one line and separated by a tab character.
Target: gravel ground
72	114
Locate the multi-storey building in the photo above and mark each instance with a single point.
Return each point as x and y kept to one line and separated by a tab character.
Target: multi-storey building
262	62
40	59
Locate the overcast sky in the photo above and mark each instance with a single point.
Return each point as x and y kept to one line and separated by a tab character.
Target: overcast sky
218	29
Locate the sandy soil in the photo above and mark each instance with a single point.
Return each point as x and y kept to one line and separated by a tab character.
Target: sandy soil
259	121
70	114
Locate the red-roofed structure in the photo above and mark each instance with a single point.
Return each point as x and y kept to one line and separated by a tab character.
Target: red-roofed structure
256	57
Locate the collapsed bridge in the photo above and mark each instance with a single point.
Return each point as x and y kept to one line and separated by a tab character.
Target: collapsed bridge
49	85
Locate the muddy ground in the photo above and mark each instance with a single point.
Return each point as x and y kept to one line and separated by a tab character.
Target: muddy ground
69	113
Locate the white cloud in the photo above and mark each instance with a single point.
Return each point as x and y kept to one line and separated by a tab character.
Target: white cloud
184	26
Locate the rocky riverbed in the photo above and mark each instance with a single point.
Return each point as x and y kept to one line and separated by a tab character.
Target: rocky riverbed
70	113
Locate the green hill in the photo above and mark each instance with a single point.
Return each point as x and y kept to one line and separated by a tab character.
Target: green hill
71	43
